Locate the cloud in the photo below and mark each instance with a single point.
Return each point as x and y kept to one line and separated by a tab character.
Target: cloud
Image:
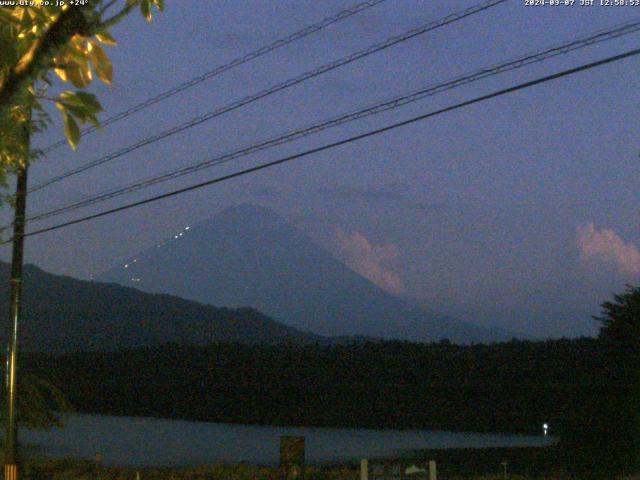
368	259
607	246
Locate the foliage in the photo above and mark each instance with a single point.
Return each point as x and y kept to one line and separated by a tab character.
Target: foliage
39	40
620	319
512	386
620	336
509	387
603	435
79	469
41	405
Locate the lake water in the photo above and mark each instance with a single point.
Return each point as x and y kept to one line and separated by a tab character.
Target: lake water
127	441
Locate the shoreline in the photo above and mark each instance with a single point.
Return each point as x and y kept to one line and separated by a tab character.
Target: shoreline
134	442
449	466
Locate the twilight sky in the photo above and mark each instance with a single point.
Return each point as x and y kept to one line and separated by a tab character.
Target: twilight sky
521	211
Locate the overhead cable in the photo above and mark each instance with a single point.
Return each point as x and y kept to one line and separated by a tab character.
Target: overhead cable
306	31
414	32
498	93
389	104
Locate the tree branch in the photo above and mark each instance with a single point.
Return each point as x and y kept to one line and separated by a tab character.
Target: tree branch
118	16
70	22
107	6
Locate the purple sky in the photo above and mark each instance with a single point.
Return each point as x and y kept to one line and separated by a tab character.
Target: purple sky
520	212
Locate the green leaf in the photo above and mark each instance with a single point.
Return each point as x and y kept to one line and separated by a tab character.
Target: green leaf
6	16
82	105
74	53
71	130
101	63
90	101
79	74
8	48
105	37
145	8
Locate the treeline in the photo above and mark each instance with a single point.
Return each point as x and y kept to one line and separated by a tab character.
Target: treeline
506	387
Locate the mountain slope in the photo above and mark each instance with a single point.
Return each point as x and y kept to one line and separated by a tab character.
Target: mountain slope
65	314
249	255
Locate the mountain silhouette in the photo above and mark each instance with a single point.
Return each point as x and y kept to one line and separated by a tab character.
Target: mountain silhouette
64	314
250	256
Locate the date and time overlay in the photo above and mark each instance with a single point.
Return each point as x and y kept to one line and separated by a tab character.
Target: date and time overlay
526	3
45	3
581	3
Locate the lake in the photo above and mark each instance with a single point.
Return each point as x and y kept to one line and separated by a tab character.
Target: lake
127	441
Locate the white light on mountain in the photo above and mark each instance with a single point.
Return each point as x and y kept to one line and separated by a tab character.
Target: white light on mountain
545	428
187	228
126	265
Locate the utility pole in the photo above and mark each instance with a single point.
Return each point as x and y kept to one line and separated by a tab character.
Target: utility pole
11	442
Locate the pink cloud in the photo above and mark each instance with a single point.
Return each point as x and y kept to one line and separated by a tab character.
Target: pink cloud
607	246
367	259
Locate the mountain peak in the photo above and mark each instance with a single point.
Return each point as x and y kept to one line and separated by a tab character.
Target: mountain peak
248	255
245	215
248	210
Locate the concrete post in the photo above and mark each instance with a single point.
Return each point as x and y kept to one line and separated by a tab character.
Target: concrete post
432	470
364	469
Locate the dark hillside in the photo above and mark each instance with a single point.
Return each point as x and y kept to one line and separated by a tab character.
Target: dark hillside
509	387
65	314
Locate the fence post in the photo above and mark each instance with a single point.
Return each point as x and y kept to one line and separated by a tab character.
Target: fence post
364	469
292	457
432	470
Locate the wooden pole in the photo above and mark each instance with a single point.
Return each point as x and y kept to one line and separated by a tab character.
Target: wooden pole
11	441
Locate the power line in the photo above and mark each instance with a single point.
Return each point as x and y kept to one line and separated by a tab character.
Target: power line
344	14
275	88
512	64
345	141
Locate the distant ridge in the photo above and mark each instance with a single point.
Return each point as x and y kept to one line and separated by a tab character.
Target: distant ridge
62	314
249	255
